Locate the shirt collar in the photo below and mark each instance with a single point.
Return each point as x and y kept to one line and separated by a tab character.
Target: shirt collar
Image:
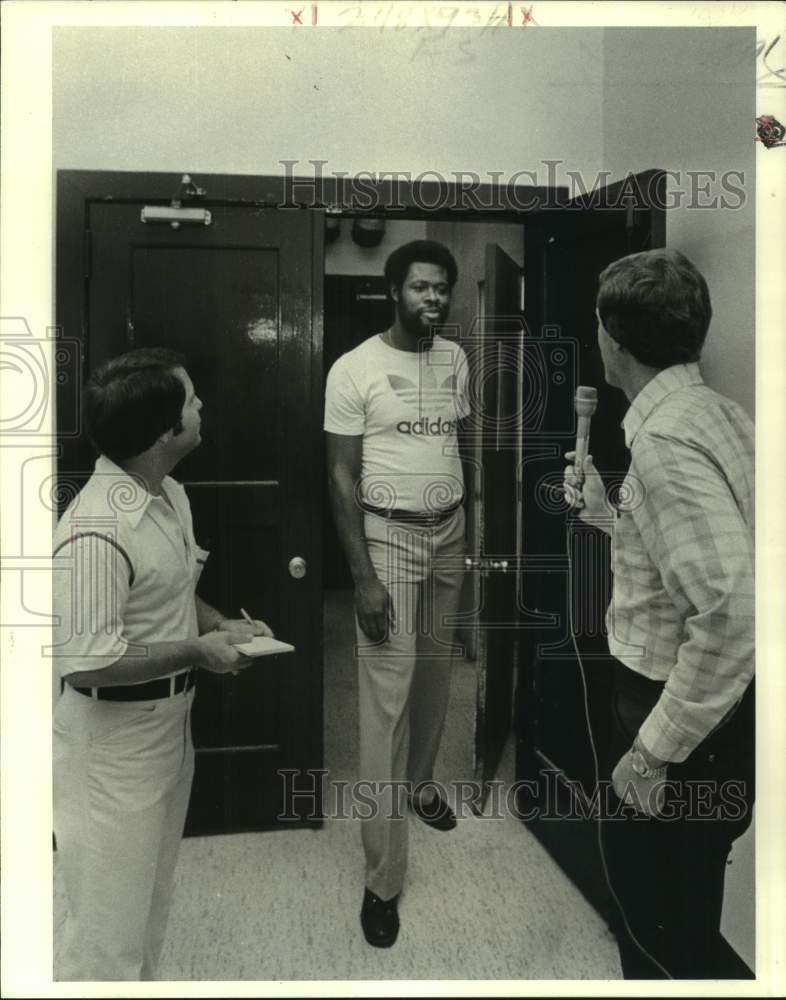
654	392
126	494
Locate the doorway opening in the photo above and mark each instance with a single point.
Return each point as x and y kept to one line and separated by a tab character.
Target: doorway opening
357	306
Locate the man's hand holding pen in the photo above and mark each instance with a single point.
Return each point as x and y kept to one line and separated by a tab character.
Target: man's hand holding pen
243	629
246	625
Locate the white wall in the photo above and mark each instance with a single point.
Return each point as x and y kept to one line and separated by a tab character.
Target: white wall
684	99
241	100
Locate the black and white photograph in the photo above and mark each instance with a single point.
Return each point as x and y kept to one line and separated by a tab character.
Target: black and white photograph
390	395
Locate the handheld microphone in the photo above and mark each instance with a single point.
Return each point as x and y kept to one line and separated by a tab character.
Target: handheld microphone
586	401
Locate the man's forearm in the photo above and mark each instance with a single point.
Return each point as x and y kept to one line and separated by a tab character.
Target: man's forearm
349	524
681	720
208	617
159	659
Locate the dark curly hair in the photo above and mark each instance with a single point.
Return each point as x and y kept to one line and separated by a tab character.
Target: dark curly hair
657	306
421	252
131	400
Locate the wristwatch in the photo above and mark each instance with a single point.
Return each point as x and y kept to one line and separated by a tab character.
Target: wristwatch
640	765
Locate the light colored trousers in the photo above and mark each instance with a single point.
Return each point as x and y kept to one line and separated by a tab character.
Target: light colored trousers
122	780
404	683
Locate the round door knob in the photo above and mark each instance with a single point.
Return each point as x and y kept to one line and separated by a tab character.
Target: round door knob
297	567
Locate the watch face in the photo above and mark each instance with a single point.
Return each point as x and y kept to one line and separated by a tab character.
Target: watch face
638	763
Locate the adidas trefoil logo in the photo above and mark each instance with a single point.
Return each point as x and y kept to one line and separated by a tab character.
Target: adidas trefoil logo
432	396
411	392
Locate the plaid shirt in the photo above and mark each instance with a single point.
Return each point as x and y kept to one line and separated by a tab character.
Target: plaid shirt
682	609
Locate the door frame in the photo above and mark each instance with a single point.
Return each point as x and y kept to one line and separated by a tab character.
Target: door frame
76	192
542	783
389	200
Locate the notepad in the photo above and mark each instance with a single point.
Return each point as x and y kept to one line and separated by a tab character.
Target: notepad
263	645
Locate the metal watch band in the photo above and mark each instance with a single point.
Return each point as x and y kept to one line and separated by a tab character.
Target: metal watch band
642	768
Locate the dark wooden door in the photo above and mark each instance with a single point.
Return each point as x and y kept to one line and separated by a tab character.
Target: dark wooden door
565	252
494	355
240	298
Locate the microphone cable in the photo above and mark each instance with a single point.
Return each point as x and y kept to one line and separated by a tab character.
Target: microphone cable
596	765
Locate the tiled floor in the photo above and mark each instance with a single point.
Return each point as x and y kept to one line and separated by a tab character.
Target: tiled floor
484	901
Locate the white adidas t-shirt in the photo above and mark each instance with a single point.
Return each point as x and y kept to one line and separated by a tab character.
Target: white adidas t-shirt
407	406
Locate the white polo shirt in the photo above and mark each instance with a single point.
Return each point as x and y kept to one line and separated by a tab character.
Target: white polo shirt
407	406
125	567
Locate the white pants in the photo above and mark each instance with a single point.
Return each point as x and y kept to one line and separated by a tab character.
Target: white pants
404	683
122	780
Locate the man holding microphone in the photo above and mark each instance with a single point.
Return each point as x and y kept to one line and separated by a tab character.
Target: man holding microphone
680	622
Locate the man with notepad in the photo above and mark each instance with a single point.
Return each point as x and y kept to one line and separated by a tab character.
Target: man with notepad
130	637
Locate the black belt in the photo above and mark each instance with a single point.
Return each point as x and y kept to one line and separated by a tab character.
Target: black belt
164	687
427	518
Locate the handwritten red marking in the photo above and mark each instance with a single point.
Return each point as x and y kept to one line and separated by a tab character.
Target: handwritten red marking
296	15
510	15
313	13
526	15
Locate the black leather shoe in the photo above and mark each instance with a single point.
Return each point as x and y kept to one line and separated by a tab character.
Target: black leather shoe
436	812
379	919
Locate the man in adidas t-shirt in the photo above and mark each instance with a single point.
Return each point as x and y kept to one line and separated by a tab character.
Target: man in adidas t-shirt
392	410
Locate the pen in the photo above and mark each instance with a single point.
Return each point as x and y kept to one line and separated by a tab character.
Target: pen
250	621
